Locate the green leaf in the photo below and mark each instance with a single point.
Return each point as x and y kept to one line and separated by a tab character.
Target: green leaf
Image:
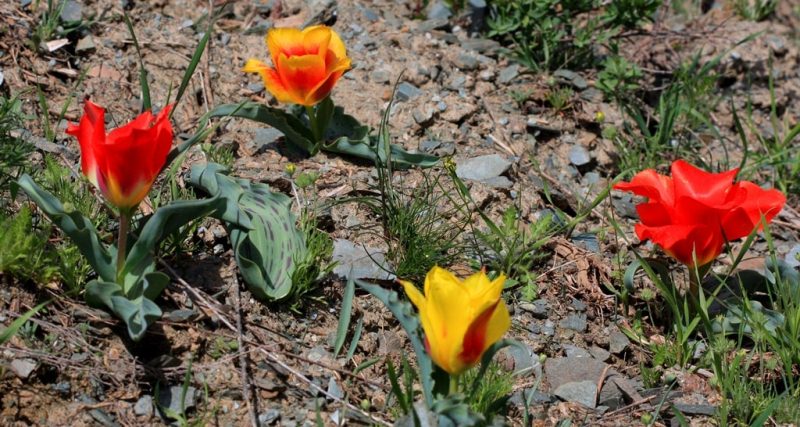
146	105
136	308
294	129
487	357
344	317
348	135
324	113
76	226
405	315
264	236
166	220
198	53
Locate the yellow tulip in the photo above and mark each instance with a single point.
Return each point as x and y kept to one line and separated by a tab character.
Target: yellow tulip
461	319
307	64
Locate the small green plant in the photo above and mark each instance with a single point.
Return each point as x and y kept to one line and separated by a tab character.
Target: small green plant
14	152
619	78
24	250
755	10
493	390
551	34
560	98
316	262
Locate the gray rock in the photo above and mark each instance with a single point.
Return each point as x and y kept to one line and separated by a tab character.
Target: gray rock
625	206
777	44
370	14
255	87
686	409
610	395
456	82
25	3
548	329
429	145
538	308
63	388
144	406
583	392
380	76
269	417
465	61
792	258
575	322
508	74
498	182
181	315
334	389
263	137
359	262
407	91
72	11
438	10
562	370
432	24
599	354
85	44
572	78
423	116
484	46
318	353
23	367
579	155
482	168
528	397
575	351
478	11
525	361
171	398
588	241
591	95
617	341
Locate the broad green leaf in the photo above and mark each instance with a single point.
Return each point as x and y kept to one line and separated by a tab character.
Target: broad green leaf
294	129
166	220
405	315
136	308
267	248
79	228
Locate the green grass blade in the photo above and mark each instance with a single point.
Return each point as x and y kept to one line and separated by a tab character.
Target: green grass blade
344	318
196	56
14	327
146	104
356	336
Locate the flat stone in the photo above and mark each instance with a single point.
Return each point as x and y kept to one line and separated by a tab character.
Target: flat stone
423	116
269	417
792	258
482	167
562	370
583	392
380	76
406	91
255	87
599	354
617	341
72	11
525	361
334	389
465	62
23	367
579	155
438	10
574	321
171	398
144	406
538	308
572	78
85	44
498	182
575	351
508	74
359	262
707	410
264	136
483	46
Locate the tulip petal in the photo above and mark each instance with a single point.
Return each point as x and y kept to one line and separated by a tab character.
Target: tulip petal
747	216
287	41
648	183
301	75
336	45
475	338
709	188
316	40
272	80
686	243
90	133
325	87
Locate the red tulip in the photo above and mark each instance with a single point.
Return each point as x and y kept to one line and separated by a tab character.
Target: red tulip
123	164
693	213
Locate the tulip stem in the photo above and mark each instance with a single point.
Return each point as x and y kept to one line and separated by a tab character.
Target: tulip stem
312	120
454	383
122	242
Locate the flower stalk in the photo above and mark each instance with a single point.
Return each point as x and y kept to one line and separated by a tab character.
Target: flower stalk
122	242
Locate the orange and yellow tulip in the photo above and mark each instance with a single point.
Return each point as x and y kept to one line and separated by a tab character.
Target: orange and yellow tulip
124	163
307	64
461	319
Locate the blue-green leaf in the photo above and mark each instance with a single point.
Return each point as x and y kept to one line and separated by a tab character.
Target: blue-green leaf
79	228
266	249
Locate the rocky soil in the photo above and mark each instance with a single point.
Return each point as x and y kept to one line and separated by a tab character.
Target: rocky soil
251	360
